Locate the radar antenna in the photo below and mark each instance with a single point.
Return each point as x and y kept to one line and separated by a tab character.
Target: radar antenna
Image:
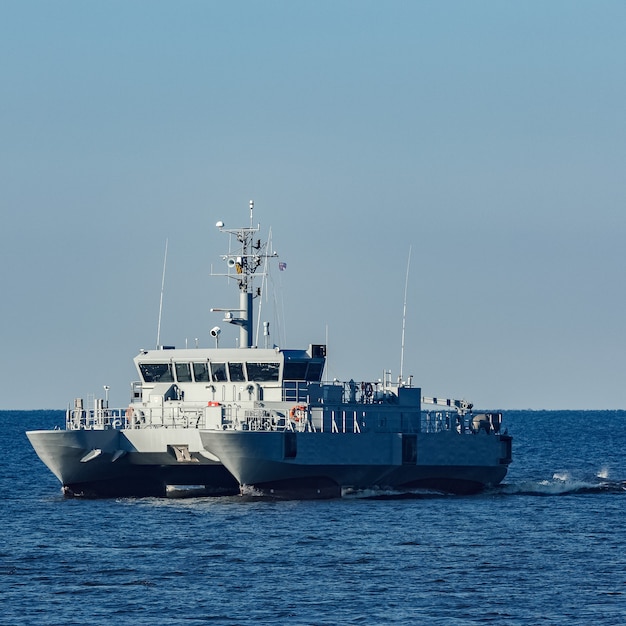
242	266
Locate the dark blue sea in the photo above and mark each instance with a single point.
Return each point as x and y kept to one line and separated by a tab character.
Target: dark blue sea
547	547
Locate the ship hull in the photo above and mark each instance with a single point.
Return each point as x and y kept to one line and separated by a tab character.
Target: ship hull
320	465
115	463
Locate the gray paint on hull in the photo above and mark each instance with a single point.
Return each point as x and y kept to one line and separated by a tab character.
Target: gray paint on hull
445	461
128	462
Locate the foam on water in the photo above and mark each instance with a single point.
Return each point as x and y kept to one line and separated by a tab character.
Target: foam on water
249	491
562	484
389	494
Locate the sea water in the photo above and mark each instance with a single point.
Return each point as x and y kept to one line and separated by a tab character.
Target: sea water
546	547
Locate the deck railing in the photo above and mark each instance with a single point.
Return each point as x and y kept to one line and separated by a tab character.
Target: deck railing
146	417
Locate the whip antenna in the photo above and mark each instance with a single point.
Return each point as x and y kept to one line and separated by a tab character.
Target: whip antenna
158	341
406	287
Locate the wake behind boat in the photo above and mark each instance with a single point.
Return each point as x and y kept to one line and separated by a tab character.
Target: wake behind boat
211	421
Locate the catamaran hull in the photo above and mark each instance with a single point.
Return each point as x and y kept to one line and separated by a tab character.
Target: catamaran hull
321	465
114	463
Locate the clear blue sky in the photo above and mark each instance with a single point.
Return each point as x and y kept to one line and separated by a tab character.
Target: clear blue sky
489	136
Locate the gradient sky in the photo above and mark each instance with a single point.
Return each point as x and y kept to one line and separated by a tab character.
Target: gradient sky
489	137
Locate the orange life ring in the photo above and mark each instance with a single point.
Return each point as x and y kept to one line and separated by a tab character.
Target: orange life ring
297	412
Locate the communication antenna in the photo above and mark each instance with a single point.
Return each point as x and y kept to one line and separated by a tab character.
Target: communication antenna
158	341
406	287
327	351
264	286
242	265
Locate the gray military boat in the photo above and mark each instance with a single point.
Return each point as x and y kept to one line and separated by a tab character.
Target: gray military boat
291	434
152	447
213	421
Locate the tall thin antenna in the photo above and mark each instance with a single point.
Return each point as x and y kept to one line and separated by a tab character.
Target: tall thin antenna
406	287
327	366
158	341
264	287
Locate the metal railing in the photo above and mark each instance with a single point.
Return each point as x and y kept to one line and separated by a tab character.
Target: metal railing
95	419
132	417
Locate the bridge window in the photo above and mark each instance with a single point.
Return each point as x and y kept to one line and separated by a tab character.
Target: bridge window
263	372
314	373
295	370
201	372
236	372
218	372
303	370
183	372
156	372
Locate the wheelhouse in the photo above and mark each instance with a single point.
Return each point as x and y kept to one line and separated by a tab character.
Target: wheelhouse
226	374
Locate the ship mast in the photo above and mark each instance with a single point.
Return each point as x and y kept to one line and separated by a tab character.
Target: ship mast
242	266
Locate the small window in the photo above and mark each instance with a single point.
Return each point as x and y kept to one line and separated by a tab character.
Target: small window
218	372
183	372
263	372
314	373
201	372
236	372
295	370
156	372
